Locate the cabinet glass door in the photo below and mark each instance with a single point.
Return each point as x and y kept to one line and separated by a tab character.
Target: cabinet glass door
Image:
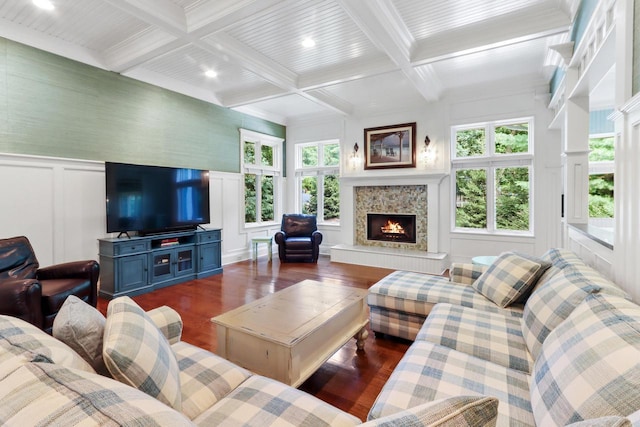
184	261
161	265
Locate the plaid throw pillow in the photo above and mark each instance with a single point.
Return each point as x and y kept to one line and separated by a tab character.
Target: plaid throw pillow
603	422
458	411
507	279
588	366
136	353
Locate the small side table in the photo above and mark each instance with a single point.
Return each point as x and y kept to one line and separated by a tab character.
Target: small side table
486	260
254	244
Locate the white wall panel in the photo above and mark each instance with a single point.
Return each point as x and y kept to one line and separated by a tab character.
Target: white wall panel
82	212
58	204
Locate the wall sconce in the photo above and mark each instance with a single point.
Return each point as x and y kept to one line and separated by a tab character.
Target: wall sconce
427	154
354	159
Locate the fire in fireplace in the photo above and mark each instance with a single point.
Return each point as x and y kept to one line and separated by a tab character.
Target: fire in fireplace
396	228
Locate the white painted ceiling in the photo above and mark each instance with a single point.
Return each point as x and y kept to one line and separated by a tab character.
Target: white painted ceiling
370	56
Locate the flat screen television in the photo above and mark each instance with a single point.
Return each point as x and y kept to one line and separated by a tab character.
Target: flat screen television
155	199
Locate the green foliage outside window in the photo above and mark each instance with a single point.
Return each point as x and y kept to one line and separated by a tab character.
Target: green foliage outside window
470	142
266	206
471	198
267	155
512	199
310	156
249	153
310	195
601	201
601	149
250	198
331	198
512	138
601	196
331	155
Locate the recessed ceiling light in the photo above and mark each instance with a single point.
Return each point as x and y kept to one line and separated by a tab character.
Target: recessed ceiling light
211	74
308	42
44	4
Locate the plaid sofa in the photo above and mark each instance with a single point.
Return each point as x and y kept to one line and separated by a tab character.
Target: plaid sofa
568	355
44	382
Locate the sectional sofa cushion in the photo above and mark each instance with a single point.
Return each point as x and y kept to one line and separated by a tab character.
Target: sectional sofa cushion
400	302
554	301
588	366
508	278
603	422
205	378
48	394
490	336
430	371
138	354
266	402
21	336
459	411
81	327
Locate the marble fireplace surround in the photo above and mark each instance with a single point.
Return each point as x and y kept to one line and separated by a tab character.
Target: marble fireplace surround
392	199
419	194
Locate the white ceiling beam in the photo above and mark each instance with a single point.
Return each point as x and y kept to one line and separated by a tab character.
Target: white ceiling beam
540	20
346	72
222	44
37	39
381	23
319	96
211	16
249	96
173	85
330	101
140	49
161	13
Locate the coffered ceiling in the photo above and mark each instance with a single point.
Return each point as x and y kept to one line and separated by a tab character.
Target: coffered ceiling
369	57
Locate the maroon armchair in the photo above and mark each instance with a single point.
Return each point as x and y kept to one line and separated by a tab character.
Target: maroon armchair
36	294
298	238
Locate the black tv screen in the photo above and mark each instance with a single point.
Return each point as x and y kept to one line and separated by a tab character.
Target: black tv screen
154	199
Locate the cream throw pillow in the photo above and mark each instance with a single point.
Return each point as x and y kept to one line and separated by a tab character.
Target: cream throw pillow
81	326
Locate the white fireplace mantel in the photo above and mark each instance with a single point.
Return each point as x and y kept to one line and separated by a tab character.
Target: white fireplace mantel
368	180
432	260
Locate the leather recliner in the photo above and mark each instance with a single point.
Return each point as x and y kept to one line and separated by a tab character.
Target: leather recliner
36	294
298	239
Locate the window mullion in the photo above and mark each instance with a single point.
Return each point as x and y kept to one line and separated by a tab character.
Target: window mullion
320	198
491	199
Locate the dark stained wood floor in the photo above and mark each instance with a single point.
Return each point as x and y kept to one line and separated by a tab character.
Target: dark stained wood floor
349	380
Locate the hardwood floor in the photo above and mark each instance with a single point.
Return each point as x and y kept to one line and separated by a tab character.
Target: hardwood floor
349	380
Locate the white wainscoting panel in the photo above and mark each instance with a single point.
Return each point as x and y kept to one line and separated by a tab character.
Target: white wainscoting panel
82	211
57	203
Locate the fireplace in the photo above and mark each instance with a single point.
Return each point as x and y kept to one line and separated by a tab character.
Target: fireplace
397	228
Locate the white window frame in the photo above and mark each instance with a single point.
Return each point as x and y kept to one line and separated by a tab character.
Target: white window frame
260	170
302	171
490	161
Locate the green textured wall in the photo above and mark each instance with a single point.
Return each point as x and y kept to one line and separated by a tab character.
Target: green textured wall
53	106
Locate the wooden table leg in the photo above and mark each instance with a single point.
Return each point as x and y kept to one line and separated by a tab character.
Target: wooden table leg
361	337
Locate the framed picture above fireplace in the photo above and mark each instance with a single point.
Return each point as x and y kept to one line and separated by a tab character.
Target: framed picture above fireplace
390	147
